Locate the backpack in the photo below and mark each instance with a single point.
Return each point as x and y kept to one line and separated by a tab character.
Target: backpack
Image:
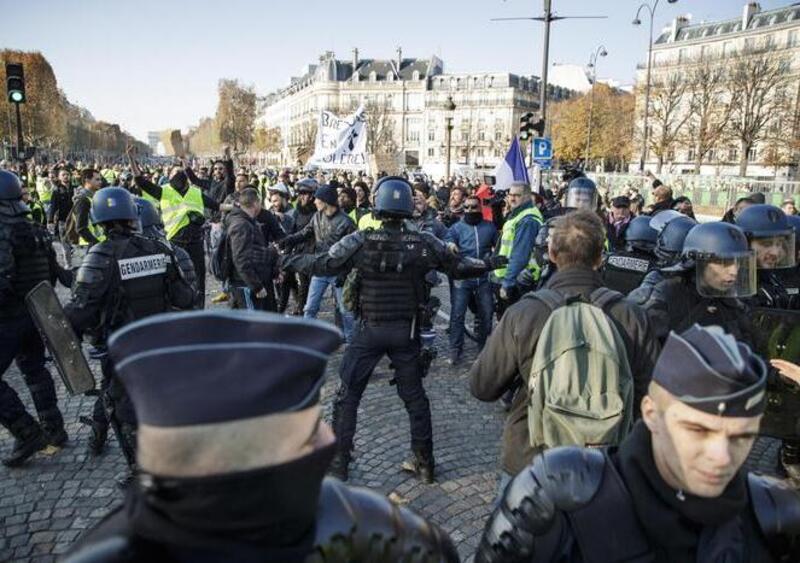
220	263
580	390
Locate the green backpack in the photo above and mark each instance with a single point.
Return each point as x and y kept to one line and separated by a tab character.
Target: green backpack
580	390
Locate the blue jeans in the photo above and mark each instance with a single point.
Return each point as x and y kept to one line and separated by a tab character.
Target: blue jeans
316	291
461	293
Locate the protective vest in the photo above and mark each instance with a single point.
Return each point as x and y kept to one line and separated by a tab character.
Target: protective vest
45	189
507	242
369	221
141	266
624	271
96	231
391	275
175	208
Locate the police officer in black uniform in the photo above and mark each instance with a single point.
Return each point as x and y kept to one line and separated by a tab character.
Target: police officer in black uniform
772	238
244	481
669	244
717	270
674	490
153	227
624	270
392	262
791	277
124	278
26	259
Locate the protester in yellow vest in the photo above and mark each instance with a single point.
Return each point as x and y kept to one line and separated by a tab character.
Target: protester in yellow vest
516	241
183	212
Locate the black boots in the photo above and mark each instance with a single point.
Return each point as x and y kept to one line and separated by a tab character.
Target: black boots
422	466
29	439
97	439
339	465
53	426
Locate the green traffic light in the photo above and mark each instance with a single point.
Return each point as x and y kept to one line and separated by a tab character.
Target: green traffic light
17	96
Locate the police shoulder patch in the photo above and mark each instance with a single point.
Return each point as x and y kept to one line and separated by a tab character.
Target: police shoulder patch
629	263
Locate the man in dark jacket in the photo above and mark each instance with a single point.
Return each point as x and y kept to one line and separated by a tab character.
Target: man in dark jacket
58	211
88	234
329	225
619	217
576	246
221	182
302	213
252	264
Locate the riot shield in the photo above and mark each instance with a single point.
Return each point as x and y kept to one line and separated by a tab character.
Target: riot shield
778	337
60	339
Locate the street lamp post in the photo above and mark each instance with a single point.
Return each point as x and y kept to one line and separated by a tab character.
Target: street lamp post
449	108
651	9
599	52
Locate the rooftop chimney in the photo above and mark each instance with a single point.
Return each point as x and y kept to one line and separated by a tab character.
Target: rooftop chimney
399	59
355	62
749	11
677	24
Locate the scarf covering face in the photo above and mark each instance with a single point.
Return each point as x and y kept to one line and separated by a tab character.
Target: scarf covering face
677	525
273	508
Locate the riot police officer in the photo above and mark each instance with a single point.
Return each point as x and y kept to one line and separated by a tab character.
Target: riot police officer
392	262
674	490
581	194
716	270
669	243
26	259
772	238
624	270
244	478
124	278
153	227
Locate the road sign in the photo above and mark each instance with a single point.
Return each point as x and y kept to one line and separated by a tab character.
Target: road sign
542	149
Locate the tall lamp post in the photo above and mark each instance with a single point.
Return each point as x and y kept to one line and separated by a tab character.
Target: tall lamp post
449	108
599	52
651	10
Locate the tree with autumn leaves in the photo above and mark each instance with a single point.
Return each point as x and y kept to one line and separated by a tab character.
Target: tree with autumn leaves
612	127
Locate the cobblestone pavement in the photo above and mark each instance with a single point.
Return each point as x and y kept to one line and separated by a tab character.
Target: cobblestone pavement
50	502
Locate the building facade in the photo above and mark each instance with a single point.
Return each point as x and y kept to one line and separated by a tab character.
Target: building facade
705	116
405	100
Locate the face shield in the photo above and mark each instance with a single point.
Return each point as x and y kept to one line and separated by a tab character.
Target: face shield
582	198
775	251
733	276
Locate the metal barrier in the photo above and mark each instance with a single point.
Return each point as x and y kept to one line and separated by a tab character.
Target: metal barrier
704	191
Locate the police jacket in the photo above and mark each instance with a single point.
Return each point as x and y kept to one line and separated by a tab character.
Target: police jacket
124	278
577	505
624	270
324	230
392	264
508	354
353	524
26	259
777	289
473	241
672	302
251	259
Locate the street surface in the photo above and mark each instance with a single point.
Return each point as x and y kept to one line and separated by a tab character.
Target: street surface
54	498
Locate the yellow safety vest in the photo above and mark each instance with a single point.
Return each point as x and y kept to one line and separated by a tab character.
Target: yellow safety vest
96	231
45	189
507	242
368	221
175	208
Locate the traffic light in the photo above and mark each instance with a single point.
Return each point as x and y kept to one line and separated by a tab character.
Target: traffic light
525	126
539	127
15	81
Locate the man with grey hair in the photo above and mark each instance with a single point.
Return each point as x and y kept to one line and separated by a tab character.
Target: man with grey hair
520	228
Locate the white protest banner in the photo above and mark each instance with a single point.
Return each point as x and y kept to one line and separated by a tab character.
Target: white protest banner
341	142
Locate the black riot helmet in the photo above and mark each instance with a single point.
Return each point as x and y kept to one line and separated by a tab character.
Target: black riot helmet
11	194
113	204
725	266
770	235
149	218
393	198
640	235
582	194
669	243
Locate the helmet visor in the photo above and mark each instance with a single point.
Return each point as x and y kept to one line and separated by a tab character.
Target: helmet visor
775	251
582	198
727	277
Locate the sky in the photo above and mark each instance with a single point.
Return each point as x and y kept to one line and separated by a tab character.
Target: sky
154	64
